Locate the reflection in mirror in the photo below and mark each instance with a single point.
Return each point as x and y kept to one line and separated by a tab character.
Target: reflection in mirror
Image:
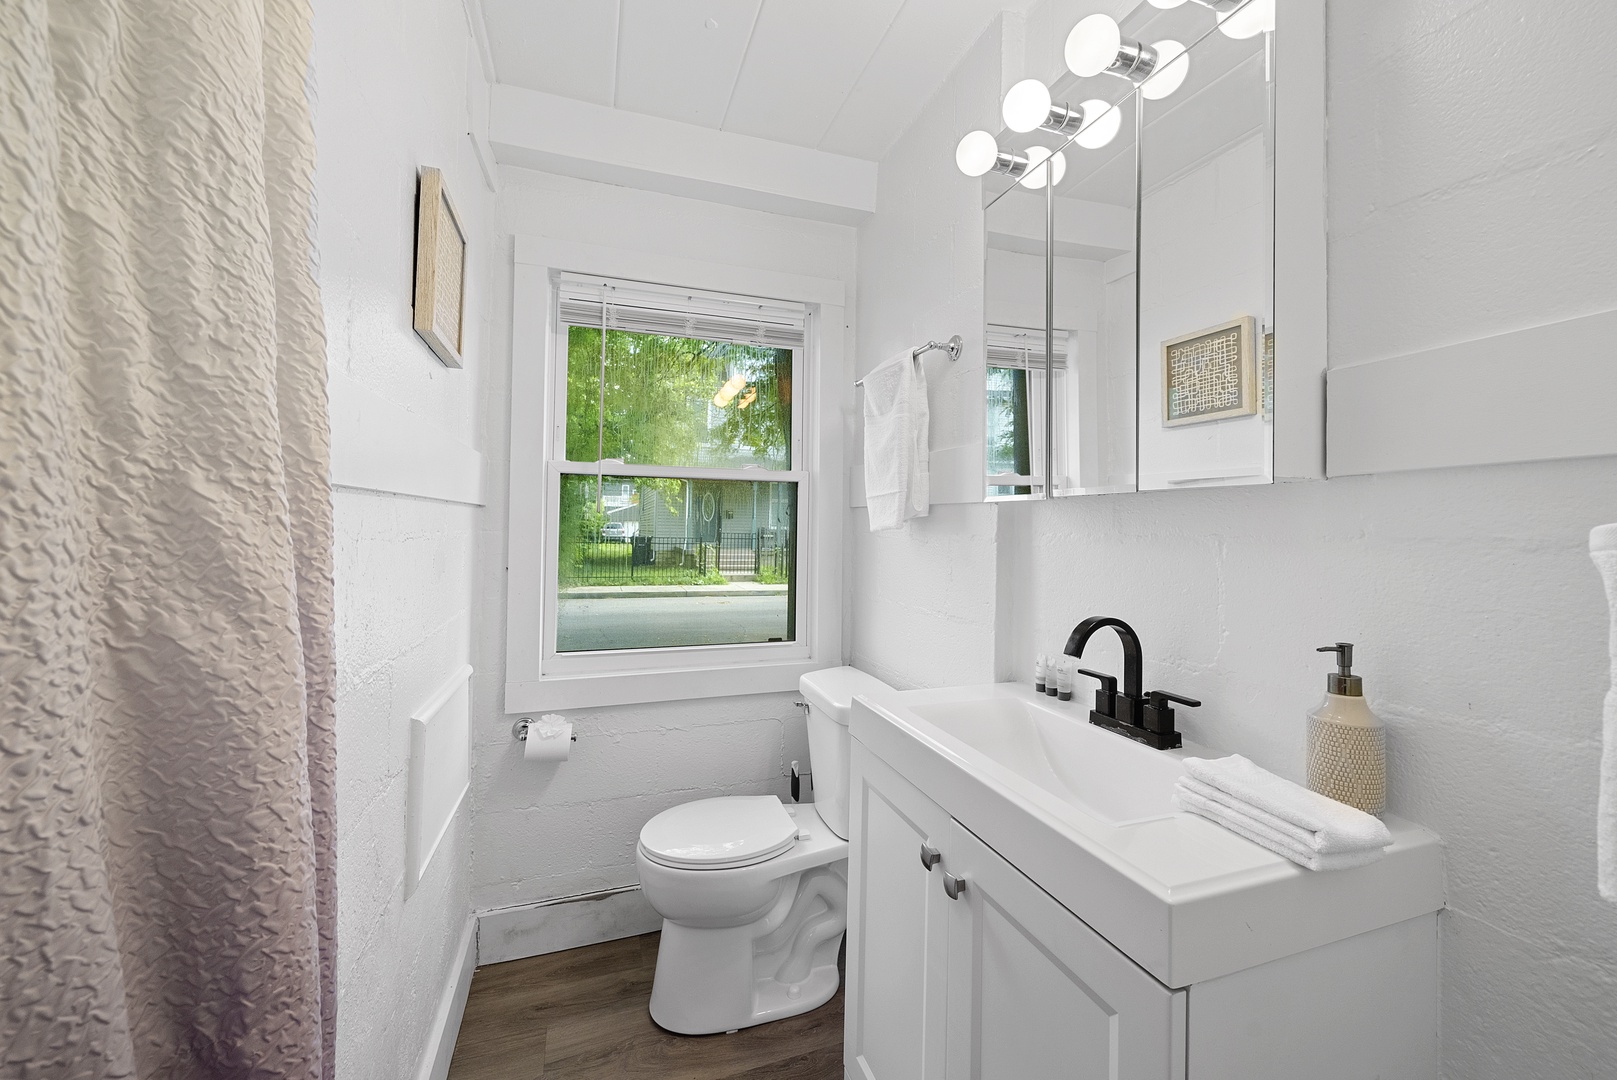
1014	299
1094	294
1206	274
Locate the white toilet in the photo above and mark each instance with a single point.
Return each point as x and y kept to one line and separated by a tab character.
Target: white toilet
753	891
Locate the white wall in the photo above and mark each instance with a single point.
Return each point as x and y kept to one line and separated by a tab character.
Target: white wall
546	831
1470	180
391	81
921	262
1207	257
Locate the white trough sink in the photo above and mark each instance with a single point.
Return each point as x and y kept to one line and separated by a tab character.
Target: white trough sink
1056	748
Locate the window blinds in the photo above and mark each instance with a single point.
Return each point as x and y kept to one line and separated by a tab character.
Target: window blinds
644	308
1022	347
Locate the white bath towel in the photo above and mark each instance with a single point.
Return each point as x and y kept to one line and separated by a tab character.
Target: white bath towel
1302	825
897	486
1603	550
1262	833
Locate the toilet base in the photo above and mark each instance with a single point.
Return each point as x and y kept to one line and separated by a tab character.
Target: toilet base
711	980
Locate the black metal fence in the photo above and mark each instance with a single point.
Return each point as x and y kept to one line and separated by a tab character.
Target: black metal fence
677	560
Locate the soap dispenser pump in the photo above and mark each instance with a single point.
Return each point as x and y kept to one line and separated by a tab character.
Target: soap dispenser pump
1347	744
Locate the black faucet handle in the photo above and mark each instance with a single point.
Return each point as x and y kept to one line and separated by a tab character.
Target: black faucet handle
1106	696
1157	718
1108	683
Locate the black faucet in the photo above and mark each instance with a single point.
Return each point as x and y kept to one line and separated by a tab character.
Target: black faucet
1146	718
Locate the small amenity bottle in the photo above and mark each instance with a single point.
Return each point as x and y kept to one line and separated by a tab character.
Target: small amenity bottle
1347	744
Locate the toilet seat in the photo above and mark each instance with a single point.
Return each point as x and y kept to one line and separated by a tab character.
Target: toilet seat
719	834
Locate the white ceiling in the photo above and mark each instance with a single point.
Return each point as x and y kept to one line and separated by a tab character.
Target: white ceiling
843	76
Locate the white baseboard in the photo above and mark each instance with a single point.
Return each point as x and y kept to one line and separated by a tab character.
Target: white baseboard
566	922
451	1007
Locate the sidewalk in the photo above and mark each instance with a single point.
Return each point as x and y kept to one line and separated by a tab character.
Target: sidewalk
620	592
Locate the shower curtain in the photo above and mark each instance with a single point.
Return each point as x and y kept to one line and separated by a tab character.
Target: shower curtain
167	893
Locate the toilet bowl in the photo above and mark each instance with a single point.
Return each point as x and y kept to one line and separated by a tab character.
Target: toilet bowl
745	943
754	891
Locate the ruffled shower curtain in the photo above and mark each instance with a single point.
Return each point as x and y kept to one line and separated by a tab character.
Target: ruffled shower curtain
167	896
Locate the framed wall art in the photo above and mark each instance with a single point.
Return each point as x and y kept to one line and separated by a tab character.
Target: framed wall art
440	269
1210	374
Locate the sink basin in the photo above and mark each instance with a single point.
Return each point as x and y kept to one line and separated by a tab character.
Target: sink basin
1057	749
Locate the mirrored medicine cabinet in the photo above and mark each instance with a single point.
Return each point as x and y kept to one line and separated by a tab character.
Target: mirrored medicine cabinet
1155	315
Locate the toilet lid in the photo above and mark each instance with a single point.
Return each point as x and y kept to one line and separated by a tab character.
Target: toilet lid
712	834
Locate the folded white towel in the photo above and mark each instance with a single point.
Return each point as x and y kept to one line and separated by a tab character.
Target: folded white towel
1263	835
1603	550
1336	827
897	416
1301	825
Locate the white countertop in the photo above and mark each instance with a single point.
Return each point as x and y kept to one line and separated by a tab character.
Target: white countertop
1185	899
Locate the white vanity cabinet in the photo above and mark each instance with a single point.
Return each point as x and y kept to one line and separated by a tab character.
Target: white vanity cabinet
899	917
998	980
970	969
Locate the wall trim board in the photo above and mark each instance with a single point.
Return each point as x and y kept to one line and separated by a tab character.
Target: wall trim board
957	475
379	446
445	1031
566	922
1528	395
440	771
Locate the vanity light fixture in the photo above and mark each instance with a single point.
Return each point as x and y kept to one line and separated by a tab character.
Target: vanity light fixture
729	390
1028	107
978	154
1102	120
1235	18
1035	177
1255	17
1097	45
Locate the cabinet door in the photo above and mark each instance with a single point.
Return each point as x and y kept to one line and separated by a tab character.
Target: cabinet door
897	928
1034	993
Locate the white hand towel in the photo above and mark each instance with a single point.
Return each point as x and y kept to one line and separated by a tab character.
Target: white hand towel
1261	834
897	486
1603	550
1336	827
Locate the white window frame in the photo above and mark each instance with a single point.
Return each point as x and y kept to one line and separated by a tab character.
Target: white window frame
538	677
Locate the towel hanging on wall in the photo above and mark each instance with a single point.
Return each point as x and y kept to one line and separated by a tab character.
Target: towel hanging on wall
897	483
1603	550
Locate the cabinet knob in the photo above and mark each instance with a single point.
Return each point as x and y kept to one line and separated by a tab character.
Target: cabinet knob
952	885
929	856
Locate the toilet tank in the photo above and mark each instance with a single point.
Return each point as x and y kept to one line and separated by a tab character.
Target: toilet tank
830	695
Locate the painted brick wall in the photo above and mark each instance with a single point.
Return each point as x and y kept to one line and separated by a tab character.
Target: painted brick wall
391	88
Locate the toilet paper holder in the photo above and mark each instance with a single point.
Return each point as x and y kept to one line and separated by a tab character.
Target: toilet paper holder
519	730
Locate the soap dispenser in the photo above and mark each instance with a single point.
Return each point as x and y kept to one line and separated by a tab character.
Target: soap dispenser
1347	744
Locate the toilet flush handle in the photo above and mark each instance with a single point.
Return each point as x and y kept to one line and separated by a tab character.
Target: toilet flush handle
930	856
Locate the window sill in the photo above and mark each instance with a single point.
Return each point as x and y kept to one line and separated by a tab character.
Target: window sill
638	687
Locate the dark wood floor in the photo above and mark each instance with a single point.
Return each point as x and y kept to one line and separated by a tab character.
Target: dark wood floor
581	1015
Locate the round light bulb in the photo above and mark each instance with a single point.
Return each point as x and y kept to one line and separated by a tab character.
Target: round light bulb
976	153
1027	105
1255	18
1101	123
1166	4
1093	45
1036	177
1173	65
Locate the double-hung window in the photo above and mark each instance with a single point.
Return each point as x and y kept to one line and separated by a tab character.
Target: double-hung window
676	483
1015	399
